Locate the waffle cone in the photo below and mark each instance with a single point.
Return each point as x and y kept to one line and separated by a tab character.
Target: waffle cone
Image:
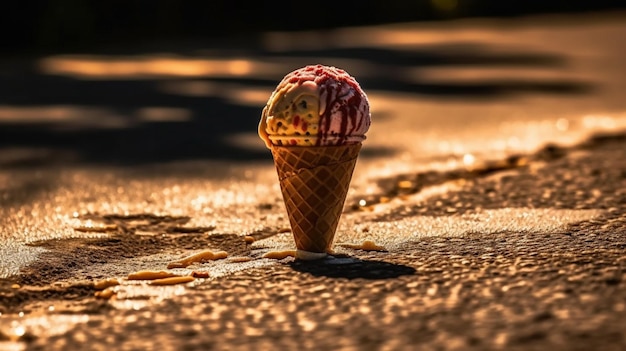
314	182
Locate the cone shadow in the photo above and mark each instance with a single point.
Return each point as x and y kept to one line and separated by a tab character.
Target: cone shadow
352	268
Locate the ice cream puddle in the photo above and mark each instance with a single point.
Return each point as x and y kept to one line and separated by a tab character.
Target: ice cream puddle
367	245
151	275
203	256
173	280
199	274
106	293
279	255
105	283
108	288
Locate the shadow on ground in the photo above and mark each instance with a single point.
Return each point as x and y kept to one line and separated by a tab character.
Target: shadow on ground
352	268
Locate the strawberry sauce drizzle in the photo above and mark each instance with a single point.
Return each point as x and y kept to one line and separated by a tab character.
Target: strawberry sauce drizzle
331	85
346	115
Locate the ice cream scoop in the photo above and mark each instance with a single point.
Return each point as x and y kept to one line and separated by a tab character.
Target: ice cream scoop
314	123
315	106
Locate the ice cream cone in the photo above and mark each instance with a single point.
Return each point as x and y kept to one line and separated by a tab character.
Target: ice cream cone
314	182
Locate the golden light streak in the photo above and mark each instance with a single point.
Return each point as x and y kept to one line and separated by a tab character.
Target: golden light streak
152	66
82	116
237	93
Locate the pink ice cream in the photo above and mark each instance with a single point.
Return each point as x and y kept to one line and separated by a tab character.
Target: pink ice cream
315	106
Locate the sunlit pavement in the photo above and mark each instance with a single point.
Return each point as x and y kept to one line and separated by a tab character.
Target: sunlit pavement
493	178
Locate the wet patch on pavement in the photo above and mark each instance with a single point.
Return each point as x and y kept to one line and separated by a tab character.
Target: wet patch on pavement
118	245
403	185
65	257
67	268
521	181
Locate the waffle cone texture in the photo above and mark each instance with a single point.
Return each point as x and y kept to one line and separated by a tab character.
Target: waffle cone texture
314	182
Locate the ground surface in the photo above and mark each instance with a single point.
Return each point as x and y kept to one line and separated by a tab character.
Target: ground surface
493	176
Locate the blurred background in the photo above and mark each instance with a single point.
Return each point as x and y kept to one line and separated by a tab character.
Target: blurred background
124	82
76	25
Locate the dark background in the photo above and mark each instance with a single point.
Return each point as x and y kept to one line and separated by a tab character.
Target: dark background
77	25
229	29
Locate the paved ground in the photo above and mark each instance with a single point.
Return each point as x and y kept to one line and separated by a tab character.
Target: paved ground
500	196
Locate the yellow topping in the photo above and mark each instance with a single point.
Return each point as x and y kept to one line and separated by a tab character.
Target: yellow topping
292	116
106	293
367	245
279	255
103	284
202	256
150	275
173	280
